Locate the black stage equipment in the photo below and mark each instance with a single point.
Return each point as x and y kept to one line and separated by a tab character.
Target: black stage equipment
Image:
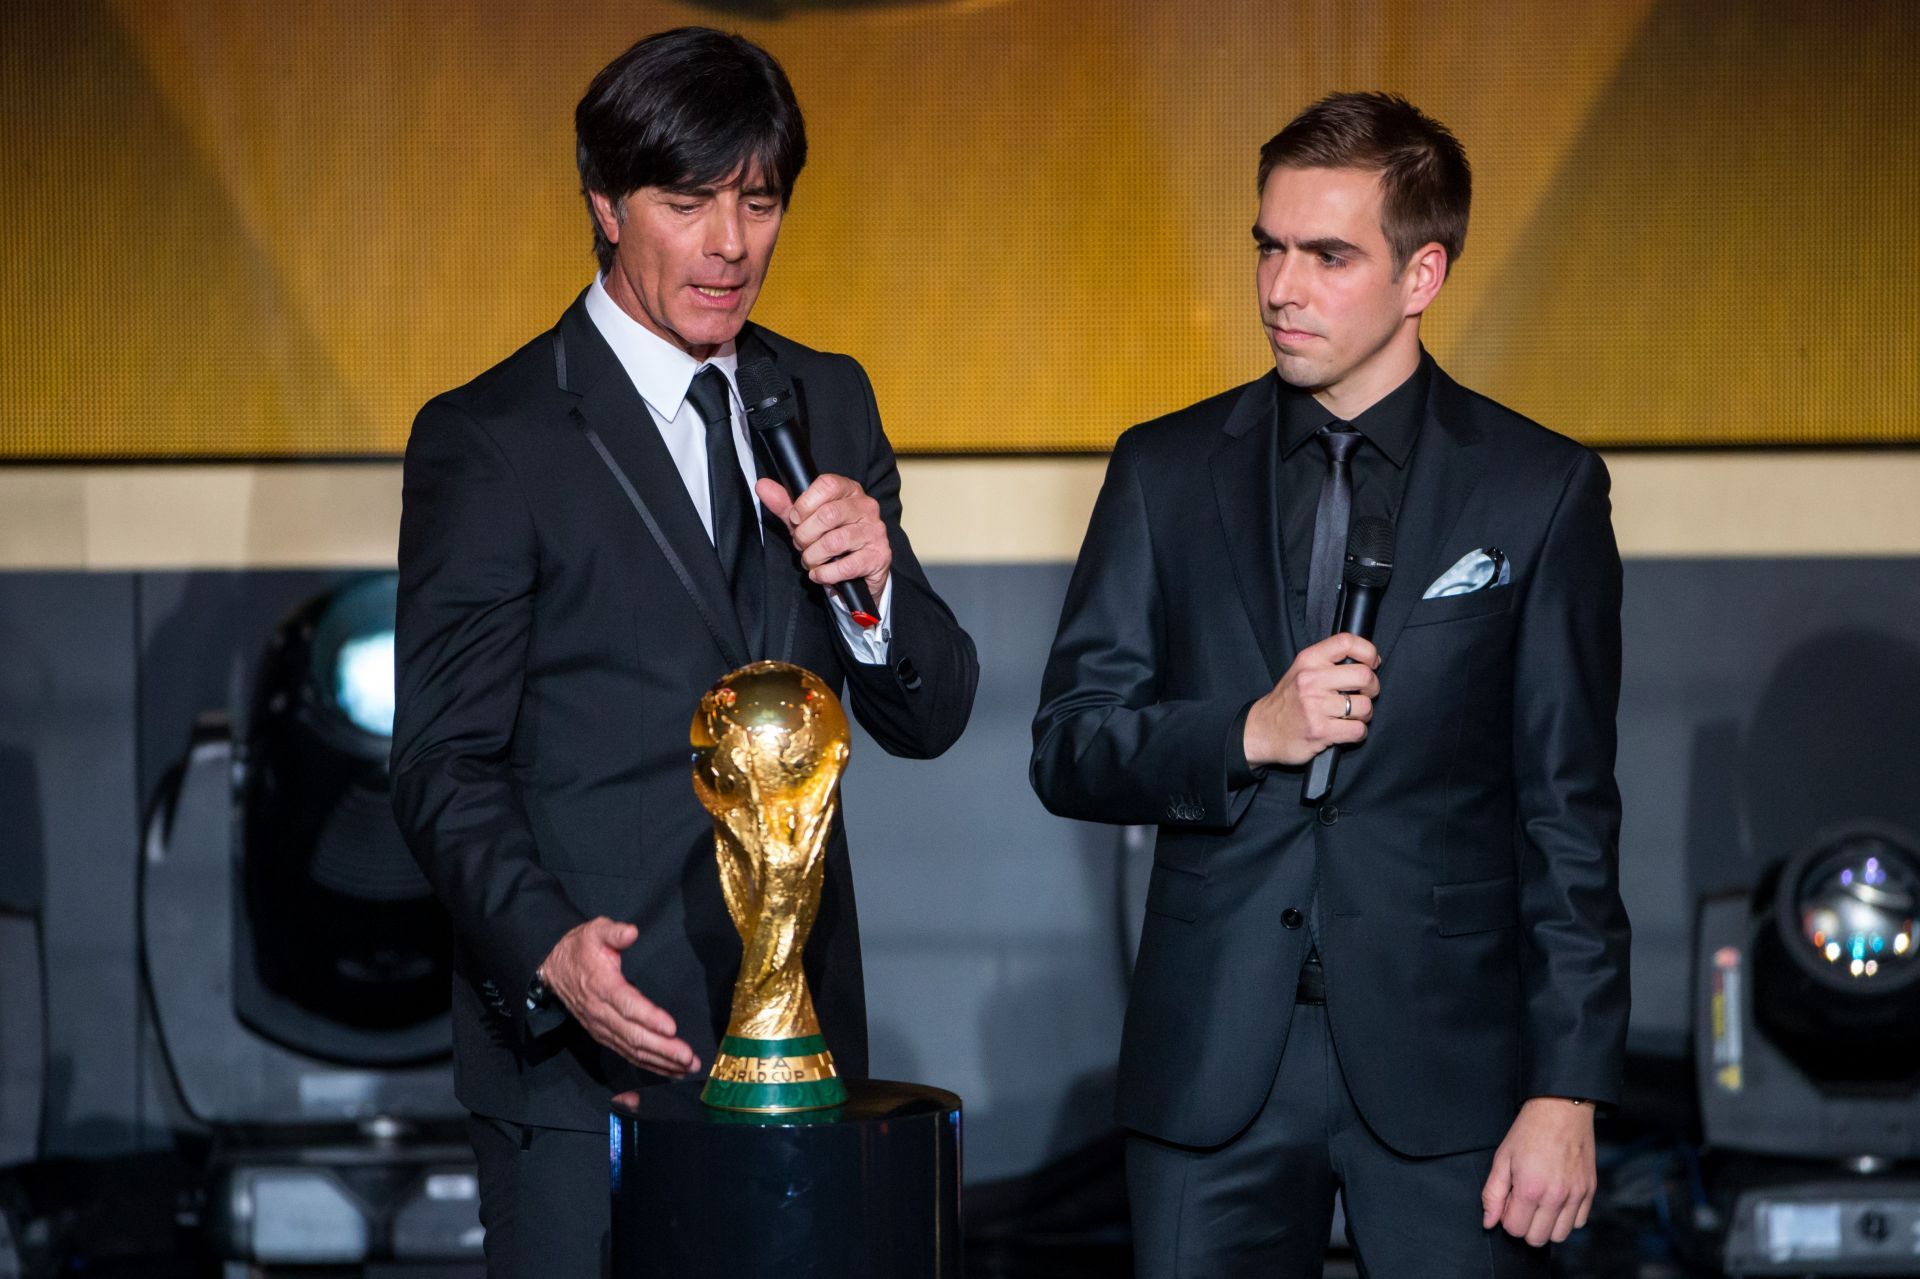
1807	1058
298	966
350	950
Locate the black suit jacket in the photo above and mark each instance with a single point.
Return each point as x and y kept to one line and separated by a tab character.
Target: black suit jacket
561	610
1465	866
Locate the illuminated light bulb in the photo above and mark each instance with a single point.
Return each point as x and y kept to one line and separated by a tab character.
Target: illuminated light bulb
1857	967
1900	944
1873	966
1833	951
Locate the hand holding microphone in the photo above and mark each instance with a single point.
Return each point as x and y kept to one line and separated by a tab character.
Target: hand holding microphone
835	526
1369	567
1325	700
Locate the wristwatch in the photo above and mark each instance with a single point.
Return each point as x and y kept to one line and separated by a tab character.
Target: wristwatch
539	997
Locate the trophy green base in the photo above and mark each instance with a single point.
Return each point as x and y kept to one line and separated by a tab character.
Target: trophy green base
773	1076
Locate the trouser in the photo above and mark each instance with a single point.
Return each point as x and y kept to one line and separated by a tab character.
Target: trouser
1262	1204
545	1200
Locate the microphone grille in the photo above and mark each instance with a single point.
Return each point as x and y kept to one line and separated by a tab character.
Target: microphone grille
1369	553
766	393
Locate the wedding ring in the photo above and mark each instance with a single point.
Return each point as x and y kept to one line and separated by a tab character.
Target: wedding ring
1348	712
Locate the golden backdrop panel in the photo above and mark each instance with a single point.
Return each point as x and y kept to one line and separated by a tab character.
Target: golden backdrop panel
257	231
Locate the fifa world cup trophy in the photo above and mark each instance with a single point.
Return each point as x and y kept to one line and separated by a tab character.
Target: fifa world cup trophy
769	744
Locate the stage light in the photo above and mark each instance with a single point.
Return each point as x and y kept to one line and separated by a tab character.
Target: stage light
297	963
1809	993
350	951
1838	981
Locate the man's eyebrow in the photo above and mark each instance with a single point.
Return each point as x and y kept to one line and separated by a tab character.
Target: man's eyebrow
1332	244
1261	238
707	190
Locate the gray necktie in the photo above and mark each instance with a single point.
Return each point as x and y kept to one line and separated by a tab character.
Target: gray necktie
1330	520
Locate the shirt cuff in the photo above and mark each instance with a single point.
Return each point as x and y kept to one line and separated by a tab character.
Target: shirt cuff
869	644
1241	774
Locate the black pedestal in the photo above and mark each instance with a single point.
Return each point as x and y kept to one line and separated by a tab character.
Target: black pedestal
868	1190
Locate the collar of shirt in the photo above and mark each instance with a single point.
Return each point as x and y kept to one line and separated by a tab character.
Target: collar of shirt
1390	425
659	370
662	373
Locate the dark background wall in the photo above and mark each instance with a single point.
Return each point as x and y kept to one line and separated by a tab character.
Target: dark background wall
1762	699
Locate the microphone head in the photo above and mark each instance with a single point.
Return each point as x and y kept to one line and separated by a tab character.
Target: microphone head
768	395
1369	553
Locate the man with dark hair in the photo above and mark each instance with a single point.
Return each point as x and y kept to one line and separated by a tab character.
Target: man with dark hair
1414	990
587	545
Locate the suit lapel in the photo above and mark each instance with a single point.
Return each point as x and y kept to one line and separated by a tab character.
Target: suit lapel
1445	468
620	429
1245	484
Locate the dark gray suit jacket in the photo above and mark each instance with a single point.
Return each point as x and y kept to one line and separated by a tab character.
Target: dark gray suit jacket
1466	864
561	610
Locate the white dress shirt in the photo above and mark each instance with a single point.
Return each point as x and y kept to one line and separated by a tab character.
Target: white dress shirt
662	373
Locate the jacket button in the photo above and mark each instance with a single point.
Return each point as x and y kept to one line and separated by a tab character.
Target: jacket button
909	674
1291	917
1329	814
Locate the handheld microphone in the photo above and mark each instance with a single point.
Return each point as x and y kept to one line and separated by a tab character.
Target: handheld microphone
771	414
1368	569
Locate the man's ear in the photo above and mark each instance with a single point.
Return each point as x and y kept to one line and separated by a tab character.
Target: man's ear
1423	275
607	213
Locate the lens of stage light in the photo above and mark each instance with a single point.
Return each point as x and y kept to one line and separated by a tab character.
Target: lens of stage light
363	682
350	667
1852	900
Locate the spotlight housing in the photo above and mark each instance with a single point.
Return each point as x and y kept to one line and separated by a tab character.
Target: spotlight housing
346	952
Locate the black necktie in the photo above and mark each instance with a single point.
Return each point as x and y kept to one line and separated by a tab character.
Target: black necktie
736	530
1330	519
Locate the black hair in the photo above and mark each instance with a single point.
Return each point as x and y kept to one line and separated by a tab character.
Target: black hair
691	107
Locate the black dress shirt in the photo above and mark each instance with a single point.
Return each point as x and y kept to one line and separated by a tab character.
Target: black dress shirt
1379	469
1389	428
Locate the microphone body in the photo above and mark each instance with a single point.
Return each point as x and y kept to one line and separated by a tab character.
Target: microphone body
1369	567
771	416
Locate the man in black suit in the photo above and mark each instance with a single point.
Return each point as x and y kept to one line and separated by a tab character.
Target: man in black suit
1415	991
585	547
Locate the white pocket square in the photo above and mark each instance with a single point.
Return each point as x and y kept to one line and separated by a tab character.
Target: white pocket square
1474	571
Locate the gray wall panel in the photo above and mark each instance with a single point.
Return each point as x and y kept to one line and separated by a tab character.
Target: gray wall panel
991	929
66	724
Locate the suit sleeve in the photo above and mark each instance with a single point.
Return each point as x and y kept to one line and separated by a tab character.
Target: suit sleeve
468	570
1106	746
917	702
1566	695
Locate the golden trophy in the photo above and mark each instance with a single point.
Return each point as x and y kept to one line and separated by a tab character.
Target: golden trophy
769	744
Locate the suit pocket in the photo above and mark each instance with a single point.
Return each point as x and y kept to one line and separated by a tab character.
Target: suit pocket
618	897
1175	892
1478	906
1458	608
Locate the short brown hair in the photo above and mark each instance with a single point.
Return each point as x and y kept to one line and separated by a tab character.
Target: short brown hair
1426	184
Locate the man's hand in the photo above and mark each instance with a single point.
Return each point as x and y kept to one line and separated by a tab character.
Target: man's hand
1307	710
1543	1177
837	529
584	971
